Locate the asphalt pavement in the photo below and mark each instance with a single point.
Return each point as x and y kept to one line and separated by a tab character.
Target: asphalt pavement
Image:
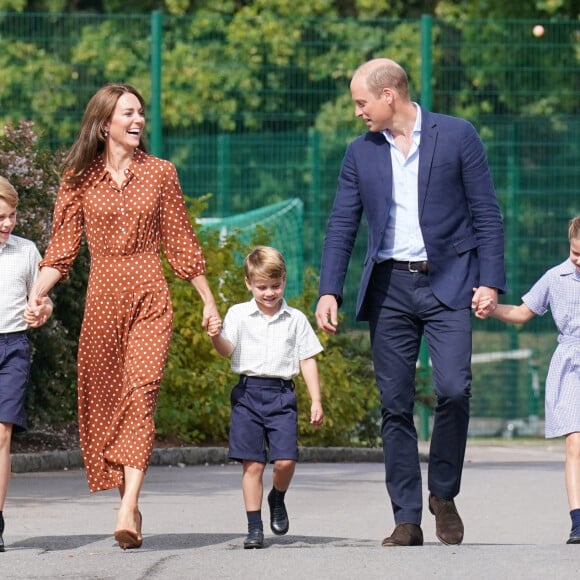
513	504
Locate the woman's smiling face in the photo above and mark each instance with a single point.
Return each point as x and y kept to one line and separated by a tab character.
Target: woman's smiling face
127	122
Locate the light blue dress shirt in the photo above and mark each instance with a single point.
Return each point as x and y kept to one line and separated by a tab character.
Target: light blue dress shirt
403	239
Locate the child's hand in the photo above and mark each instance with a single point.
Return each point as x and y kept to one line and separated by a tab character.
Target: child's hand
214	326
483	307
316	414
38	316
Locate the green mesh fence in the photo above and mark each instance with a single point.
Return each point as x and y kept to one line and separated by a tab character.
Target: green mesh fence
256	114
283	221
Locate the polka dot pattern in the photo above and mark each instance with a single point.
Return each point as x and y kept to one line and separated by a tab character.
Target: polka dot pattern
128	316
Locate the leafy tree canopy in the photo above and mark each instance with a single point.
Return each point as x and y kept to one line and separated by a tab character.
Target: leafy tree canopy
355	8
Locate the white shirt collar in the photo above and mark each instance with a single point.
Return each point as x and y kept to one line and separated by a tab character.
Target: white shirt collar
255	309
416	126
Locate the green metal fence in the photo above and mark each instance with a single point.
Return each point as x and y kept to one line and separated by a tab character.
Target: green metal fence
256	113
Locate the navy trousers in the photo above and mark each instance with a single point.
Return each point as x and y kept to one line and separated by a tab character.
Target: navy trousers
402	309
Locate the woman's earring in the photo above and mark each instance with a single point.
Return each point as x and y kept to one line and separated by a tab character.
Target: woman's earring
105	134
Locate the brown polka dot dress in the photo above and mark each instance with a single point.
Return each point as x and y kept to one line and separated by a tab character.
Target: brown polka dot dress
128	317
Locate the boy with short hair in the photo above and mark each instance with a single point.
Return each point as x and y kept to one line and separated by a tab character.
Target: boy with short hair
19	260
269	343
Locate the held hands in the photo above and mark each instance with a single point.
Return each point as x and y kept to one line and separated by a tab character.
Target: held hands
38	311
211	320
484	301
214	326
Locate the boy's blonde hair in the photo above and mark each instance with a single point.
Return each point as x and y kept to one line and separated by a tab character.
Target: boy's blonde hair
574	229
264	262
7	192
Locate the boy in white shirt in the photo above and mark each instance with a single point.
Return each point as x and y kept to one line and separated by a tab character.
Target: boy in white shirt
19	260
269	343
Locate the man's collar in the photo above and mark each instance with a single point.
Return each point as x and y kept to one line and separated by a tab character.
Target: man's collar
416	127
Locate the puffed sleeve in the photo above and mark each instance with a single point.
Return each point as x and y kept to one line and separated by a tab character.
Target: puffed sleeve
537	298
180	244
67	229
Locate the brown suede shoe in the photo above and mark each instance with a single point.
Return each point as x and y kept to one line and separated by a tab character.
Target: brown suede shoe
405	535
448	524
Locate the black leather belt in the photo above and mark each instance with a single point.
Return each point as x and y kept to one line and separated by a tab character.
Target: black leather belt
267	381
422	267
8	337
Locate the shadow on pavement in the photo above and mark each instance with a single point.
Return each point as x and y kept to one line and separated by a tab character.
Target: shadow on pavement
164	542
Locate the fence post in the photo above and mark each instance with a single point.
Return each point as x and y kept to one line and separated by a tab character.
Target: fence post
426	69
512	236
156	76
315	196
223	173
426	64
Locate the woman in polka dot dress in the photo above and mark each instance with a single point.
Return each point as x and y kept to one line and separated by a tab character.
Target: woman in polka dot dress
127	202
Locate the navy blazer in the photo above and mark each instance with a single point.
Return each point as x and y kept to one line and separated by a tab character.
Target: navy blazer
459	213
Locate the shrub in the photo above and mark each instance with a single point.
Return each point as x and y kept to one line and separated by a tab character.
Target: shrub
194	400
51	395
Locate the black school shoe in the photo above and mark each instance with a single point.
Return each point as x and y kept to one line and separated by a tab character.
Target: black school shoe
573	540
279	522
254	540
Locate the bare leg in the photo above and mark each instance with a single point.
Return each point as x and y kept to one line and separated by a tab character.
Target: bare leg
281	478
129	517
5	438
252	485
283	473
573	470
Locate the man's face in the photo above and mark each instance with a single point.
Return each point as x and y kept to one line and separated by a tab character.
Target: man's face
374	110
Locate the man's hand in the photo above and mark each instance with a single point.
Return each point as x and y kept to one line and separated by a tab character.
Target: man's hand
327	314
484	301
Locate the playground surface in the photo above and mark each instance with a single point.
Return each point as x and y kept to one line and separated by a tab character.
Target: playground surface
512	502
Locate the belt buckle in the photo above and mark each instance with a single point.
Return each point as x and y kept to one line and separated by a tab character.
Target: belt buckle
410	268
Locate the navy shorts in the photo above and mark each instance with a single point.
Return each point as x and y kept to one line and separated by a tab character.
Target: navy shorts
14	372
264	420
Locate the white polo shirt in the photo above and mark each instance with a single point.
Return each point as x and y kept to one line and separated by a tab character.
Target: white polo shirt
269	346
19	259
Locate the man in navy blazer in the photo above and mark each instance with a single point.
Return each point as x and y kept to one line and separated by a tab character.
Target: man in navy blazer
435	251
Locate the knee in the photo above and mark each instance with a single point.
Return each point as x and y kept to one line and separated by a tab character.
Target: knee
284	465
399	405
453	392
5	434
573	446
253	469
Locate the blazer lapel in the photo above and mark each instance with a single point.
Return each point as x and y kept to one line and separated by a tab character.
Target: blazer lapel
429	134
384	178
